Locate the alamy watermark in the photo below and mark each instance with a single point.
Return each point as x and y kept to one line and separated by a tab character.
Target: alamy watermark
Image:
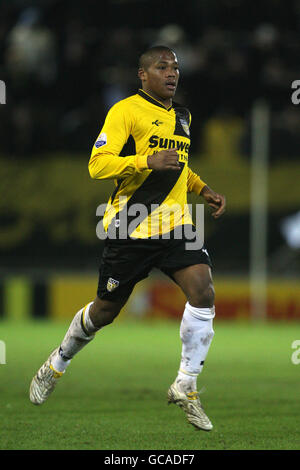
2	352
296	94
295	358
2	92
174	221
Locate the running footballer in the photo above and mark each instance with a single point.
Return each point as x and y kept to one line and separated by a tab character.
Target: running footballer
144	147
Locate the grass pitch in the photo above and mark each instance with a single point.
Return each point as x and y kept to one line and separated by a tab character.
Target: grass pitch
113	395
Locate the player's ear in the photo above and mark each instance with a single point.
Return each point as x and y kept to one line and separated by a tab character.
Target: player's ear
141	74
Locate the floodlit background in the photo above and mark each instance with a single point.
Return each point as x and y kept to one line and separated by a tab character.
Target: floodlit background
63	64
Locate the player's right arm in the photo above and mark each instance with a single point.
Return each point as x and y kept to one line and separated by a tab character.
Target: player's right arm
105	161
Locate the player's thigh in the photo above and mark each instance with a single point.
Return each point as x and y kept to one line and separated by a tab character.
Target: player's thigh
197	284
122	266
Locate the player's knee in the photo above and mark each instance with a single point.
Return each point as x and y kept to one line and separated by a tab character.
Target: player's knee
203	297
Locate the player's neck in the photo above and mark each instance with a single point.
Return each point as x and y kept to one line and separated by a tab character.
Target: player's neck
166	102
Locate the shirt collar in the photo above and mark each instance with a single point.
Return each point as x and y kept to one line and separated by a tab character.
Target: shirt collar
152	100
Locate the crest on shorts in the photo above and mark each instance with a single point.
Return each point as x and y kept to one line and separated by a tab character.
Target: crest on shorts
185	126
112	284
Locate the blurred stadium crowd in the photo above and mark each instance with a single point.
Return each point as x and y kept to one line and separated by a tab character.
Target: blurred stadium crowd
65	64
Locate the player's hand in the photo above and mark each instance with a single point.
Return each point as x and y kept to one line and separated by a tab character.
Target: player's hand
164	160
214	200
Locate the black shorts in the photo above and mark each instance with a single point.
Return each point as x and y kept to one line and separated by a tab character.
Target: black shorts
126	262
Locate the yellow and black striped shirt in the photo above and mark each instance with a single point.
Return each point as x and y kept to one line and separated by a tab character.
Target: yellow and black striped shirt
133	129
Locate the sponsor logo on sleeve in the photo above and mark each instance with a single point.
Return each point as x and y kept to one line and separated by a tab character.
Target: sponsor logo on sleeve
102	140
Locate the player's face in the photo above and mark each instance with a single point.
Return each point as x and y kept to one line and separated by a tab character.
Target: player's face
160	79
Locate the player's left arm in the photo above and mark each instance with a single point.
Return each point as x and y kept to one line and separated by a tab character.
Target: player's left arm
215	200
196	185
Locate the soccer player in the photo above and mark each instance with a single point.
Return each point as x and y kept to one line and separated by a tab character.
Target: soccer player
143	145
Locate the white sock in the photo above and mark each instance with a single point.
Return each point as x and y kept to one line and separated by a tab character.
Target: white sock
196	333
87	322
81	331
58	363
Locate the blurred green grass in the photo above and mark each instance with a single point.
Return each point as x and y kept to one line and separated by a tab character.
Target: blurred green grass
113	395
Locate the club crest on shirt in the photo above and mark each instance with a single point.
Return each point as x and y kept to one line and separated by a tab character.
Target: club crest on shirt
112	284
185	126
102	140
